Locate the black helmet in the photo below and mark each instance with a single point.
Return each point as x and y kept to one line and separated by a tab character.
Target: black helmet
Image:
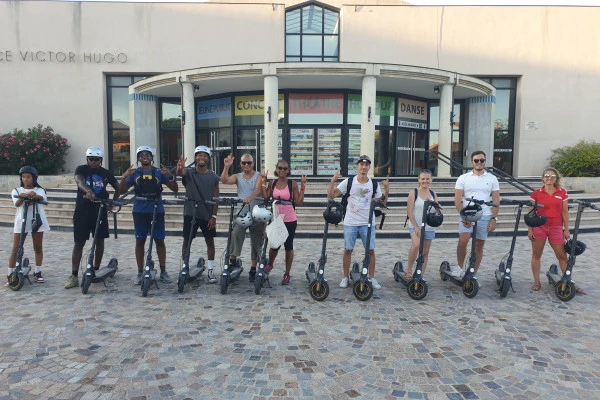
579	247
29	170
533	219
334	213
434	217
471	213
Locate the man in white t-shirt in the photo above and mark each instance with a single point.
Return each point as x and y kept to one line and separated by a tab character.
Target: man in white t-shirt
357	214
481	185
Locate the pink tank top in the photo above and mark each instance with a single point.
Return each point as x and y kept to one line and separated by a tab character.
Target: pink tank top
287	210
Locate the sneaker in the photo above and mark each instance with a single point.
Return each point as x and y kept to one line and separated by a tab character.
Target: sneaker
38	277
164	277
344	282
138	278
457	271
72	282
268	268
252	274
374	283
286	279
211	278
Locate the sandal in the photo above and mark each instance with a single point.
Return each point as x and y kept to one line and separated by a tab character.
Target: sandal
579	290
536	286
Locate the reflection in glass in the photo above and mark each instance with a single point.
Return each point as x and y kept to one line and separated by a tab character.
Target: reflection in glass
120	151
382	163
312	19
292	46
120	107
312	45
292	21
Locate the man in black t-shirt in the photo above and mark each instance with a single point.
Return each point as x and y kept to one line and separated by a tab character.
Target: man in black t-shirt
92	181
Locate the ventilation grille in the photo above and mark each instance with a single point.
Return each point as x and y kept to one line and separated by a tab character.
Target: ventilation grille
476	86
224	74
321	71
414	75
157	83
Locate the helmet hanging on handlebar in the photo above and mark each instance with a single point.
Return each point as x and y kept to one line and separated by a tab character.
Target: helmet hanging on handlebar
261	213
334	213
244	218
533	219
434	217
579	247
471	213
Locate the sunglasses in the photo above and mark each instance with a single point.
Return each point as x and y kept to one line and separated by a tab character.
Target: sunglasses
549	176
282	168
94	159
479	160
247	162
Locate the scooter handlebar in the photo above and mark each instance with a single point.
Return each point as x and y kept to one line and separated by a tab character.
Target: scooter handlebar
43	202
187	198
527	202
587	204
480	202
157	200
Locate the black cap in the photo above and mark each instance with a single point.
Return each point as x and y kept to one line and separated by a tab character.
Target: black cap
363	158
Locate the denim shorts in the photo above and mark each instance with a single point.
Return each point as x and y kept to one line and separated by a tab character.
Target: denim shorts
429	235
482	227
351	233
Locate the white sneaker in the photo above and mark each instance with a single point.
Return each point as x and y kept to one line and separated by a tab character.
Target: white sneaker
375	284
211	278
344	282
457	271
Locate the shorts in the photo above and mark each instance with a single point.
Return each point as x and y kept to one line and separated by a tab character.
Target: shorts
351	233
142	223
84	223
482	227
202	224
429	235
554	234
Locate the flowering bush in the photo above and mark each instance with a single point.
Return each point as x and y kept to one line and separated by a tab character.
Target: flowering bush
39	147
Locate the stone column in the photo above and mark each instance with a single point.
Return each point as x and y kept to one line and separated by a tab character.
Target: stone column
367	126
271	90
445	133
189	129
143	128
480	127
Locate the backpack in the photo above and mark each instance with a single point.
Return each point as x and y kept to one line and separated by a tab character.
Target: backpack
416	195
347	194
289	185
146	186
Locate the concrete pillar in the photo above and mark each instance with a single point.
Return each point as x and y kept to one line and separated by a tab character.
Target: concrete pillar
480	127
143	128
445	133
189	129
367	126
271	88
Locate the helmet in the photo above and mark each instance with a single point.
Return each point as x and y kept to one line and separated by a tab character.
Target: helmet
334	213
261	214
434	217
202	149
471	213
144	148
94	152
28	170
244	218
533	219
579	247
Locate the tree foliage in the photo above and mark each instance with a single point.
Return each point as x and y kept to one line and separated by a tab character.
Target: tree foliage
583	159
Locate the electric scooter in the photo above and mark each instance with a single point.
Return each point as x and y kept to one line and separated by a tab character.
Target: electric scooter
92	275
187	275
149	274
468	282
564	287
416	286
230	272
504	271
318	286
16	279
362	286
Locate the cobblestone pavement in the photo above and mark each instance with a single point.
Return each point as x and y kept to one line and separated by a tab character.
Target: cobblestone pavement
115	344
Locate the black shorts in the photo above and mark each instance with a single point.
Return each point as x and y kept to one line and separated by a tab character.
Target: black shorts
84	223
203	225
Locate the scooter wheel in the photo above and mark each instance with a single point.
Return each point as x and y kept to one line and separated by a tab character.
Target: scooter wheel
113	264
363	291
417	290
398	269
224	283
565	291
444	266
145	286
85	284
470	287
319	291
504	286
181	283
16	281
258	281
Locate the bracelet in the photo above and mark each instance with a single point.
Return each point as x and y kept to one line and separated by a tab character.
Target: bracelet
214	216
263	185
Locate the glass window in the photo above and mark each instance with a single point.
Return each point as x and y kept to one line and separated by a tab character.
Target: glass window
316	108
312	34
170	115
213	113
119	80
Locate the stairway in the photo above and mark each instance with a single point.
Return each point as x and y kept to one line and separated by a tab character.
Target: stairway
310	221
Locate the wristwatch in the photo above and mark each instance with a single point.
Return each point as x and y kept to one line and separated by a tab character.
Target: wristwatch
495	219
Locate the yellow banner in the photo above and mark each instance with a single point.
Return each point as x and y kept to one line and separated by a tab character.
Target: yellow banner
253	105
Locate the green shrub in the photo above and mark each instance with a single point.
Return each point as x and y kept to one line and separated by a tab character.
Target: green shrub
579	160
39	147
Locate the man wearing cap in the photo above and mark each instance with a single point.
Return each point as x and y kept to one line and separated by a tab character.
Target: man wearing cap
200	184
248	187
357	215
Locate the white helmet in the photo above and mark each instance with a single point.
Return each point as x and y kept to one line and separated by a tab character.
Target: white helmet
94	152
144	148
261	213
202	149
244	218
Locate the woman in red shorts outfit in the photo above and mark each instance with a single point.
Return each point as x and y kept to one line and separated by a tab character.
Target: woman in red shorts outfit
556	229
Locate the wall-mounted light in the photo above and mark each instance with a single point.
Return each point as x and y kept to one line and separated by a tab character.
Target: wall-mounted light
436	89
369	114
269	112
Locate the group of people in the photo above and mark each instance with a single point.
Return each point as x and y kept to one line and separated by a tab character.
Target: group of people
202	184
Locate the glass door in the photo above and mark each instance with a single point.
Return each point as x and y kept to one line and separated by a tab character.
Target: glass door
221	146
410	152
246	142
328	151
301	151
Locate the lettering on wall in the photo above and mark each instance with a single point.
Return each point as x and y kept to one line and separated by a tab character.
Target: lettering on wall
62	57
